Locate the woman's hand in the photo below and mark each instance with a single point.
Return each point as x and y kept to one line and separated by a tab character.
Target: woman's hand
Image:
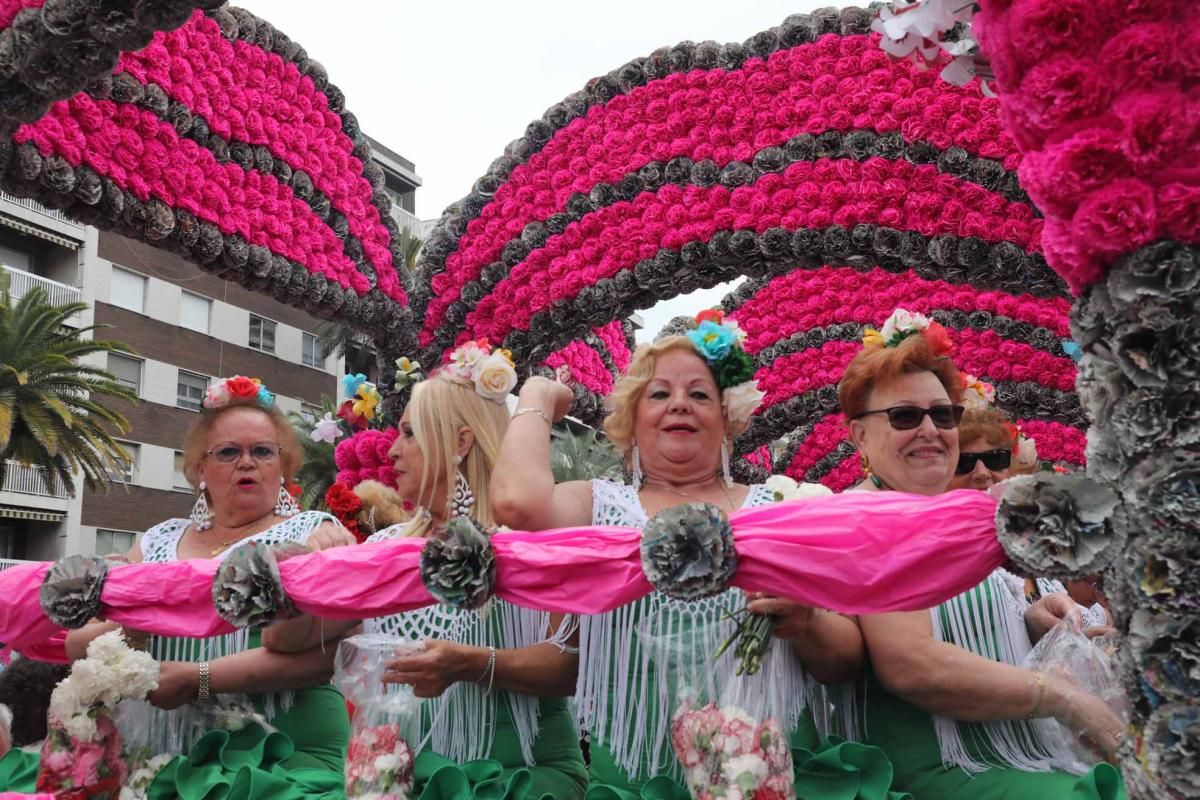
1087	716
328	536
548	394
792	620
178	684
1046	613
431	671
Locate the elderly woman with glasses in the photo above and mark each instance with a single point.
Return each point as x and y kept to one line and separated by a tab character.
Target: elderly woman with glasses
944	695
238	455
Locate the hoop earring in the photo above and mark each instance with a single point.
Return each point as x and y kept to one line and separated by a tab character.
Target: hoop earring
285	505
725	464
637	476
201	514
463	501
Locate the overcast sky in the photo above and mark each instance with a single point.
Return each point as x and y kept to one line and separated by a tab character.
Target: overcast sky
448	83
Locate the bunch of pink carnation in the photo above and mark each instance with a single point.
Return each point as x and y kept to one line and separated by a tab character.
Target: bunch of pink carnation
728	754
379	765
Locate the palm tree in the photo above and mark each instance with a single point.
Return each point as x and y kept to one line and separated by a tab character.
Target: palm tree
583	456
318	471
50	414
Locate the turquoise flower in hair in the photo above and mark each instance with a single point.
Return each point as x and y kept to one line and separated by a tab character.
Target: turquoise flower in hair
712	340
265	398
350	384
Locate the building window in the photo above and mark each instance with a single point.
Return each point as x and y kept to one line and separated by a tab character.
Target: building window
128	290
190	390
110	542
179	478
126	471
128	372
194	311
314	351
262	334
311	412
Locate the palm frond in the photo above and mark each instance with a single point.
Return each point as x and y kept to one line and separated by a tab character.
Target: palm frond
583	456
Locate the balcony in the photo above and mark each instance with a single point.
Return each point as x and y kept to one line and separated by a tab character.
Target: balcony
25	496
48	223
21	283
7	563
22	479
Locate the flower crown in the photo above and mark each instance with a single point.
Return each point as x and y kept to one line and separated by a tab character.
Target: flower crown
490	370
903	324
227	391
719	342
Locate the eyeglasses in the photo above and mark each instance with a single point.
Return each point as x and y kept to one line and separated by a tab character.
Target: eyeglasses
229	453
995	460
906	418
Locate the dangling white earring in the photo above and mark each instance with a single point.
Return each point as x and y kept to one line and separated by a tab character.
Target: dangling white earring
637	477
725	464
464	499
285	505
201	513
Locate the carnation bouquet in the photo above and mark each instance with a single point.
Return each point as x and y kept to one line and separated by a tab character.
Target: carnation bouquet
379	760
732	711
81	755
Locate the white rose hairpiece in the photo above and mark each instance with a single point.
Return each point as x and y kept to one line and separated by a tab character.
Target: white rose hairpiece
490	370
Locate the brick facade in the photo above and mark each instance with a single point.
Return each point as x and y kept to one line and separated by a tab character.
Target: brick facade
137	509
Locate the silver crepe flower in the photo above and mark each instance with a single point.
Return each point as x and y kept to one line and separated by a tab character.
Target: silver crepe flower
1166	648
688	551
1172	748
1057	525
247	589
458	566
70	593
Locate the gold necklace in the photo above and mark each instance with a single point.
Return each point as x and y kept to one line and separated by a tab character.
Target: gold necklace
672	490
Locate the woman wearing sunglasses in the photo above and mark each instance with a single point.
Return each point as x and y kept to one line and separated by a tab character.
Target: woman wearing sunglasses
238	454
943	695
987	441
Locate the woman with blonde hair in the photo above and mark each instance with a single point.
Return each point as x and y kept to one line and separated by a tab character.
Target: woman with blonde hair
238	455
944	695
673	417
495	684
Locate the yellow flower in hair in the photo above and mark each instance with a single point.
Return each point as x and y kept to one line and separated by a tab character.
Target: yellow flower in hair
872	338
507	357
368	399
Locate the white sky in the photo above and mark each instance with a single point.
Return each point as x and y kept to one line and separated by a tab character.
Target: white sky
448	83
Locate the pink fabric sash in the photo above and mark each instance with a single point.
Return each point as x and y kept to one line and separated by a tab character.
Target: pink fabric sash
858	553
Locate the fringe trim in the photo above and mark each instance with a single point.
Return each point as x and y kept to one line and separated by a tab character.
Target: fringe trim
627	692
175	731
461	724
987	622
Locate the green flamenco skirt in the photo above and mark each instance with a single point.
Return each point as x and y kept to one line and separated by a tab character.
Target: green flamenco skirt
906	734
824	769
18	771
303	758
558	772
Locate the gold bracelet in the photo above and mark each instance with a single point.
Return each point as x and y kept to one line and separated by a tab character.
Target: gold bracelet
1040	680
532	410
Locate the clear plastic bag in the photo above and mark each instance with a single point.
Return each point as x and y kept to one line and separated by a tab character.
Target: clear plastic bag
727	730
1065	652
379	759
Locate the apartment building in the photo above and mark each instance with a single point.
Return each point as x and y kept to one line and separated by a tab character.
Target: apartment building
187	328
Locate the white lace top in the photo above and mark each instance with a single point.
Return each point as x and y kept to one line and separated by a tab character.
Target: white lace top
621	700
175	731
461	724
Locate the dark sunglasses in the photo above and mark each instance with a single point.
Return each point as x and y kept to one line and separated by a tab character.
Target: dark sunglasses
995	460
906	418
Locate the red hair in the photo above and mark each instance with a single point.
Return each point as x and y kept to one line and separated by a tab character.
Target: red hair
878	365
992	425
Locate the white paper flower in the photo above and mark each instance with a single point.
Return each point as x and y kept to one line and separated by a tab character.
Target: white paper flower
903	322
1026	455
784	488
467	355
326	429
495	377
741	402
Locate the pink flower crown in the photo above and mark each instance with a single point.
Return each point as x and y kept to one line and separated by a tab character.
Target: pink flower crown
237	390
490	370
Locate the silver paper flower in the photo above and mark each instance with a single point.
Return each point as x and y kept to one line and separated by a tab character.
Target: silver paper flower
247	590
1172	748
688	551
1166	648
70	593
1058	525
458	566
